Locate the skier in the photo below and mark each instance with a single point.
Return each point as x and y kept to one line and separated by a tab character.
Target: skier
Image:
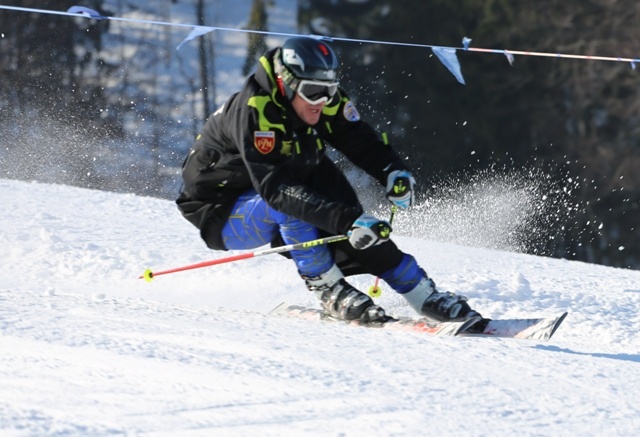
258	174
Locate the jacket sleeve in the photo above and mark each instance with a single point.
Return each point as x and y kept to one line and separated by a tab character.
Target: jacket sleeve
359	142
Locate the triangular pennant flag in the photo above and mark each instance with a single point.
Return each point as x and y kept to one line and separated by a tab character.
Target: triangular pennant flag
196	32
448	57
81	10
510	57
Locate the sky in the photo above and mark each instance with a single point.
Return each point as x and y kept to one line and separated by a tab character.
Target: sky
87	348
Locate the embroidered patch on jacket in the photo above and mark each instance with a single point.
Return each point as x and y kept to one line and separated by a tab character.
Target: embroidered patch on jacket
265	142
350	112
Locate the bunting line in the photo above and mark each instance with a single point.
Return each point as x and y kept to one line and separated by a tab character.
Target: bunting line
447	55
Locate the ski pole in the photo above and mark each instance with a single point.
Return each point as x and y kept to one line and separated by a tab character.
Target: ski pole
148	275
375	290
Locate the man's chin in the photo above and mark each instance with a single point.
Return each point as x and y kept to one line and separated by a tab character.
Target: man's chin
312	120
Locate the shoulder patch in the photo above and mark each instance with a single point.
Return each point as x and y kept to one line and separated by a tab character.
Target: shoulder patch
265	141
350	112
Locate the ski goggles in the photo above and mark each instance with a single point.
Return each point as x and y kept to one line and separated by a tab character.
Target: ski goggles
315	92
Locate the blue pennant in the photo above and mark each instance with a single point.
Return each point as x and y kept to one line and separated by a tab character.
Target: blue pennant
448	57
195	33
81	10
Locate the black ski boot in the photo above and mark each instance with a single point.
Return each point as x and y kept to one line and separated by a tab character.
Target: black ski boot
436	305
341	300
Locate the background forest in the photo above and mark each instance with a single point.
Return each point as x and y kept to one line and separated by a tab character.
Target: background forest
115	106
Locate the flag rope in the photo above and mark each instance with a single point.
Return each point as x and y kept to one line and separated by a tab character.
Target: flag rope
80	11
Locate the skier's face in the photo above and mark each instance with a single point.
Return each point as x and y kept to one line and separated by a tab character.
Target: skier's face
307	112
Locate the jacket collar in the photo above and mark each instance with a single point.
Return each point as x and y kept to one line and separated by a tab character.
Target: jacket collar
266	78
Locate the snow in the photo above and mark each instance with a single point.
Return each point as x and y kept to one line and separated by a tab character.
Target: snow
87	348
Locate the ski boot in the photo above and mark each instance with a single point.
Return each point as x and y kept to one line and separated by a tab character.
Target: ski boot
341	300
436	305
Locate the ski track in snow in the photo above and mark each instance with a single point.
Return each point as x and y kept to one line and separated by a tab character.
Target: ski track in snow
89	349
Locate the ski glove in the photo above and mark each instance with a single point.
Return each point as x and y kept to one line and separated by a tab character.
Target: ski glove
367	231
400	184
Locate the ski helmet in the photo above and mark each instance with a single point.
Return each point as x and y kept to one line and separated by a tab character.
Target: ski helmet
302	58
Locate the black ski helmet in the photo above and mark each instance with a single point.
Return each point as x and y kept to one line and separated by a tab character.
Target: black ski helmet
305	58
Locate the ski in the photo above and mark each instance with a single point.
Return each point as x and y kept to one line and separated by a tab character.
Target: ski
525	329
392	324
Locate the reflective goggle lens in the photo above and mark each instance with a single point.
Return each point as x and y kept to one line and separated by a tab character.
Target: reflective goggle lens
315	92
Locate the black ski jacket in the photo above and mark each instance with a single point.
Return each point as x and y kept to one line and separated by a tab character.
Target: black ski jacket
256	140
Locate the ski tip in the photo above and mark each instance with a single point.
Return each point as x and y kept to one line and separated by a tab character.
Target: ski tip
558	323
279	308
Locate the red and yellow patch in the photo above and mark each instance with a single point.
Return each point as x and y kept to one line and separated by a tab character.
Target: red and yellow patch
265	142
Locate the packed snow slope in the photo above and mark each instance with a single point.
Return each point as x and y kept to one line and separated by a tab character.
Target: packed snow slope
86	348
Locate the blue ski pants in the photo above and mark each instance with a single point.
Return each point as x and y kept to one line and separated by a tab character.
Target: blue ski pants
253	223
